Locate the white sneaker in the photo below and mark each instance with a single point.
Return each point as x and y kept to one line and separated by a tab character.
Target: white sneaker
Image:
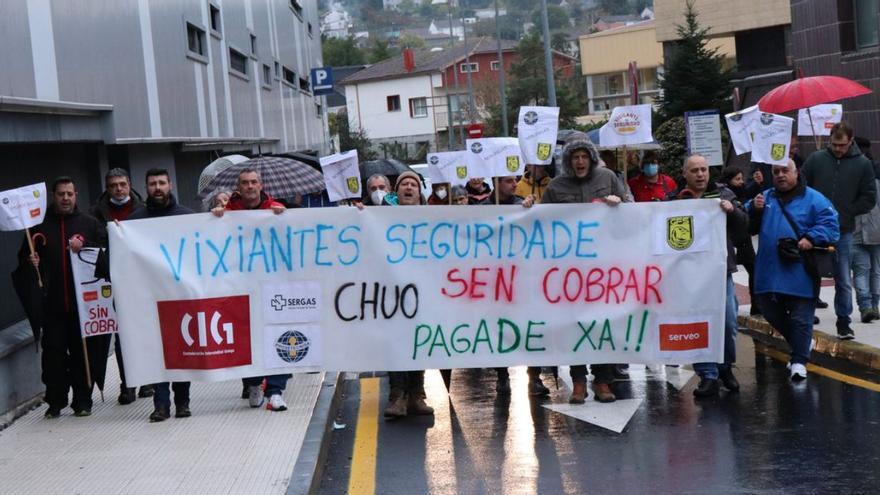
798	372
255	395
276	403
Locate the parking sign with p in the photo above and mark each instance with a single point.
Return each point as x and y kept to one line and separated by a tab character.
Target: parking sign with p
322	80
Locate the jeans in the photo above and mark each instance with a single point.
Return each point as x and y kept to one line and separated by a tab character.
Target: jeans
792	316
866	274
843	280
162	397
602	373
711	370
275	384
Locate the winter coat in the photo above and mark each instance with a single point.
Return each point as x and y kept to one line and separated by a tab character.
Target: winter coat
848	182
105	211
644	190
599	182
867	226
54	254
266	202
815	218
524	186
153	210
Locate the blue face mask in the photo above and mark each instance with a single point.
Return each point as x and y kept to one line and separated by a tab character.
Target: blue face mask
650	169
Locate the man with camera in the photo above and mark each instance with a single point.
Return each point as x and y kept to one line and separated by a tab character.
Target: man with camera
796	223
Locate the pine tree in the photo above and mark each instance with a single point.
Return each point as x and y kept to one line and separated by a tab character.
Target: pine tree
695	78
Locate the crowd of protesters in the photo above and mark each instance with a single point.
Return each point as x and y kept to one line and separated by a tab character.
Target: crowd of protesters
800	211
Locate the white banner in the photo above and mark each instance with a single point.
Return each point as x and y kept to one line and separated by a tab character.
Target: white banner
94	296
451	165
772	139
537	130
23	208
628	125
494	157
341	175
739	125
403	288
823	119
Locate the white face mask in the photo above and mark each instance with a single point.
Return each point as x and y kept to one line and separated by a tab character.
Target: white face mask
377	196
441	194
119	202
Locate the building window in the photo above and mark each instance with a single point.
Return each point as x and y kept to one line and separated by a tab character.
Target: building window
215	18
237	61
608	84
418	107
310	29
254	45
494	65
304	85
288	76
393	103
319	110
866	16
267	76
472	67
296	7
277	70
195	39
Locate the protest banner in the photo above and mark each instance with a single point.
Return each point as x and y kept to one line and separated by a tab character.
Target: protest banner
627	125
819	120
94	296
704	135
451	165
739	126
771	139
537	130
494	157
23	207
341	175
403	288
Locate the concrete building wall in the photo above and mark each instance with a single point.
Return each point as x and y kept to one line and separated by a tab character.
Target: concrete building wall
723	16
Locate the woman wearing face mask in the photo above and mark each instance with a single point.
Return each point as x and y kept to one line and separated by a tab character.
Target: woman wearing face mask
439	194
650	184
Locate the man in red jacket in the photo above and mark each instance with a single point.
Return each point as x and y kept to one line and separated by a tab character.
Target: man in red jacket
250	196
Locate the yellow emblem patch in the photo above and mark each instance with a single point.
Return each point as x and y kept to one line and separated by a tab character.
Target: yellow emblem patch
512	163
777	151
680	232
461	172
353	184
544	150
106	291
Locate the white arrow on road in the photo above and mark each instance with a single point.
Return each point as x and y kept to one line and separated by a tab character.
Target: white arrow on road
613	416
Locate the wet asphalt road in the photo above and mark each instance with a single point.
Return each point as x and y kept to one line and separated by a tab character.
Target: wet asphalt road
822	436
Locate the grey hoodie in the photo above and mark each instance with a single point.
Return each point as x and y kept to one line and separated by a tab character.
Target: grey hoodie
599	182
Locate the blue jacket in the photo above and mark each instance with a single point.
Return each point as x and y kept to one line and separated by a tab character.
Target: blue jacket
816	219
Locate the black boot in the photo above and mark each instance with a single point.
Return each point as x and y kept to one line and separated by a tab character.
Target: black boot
729	380
708	387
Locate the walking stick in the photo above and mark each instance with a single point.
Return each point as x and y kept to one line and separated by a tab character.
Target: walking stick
495	183
30	240
88	368
534	169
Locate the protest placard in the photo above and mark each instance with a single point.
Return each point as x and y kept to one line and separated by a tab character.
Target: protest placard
494	157
94	295
627	125
341	175
403	288
451	165
772	139
537	130
23	207
739	126
819	120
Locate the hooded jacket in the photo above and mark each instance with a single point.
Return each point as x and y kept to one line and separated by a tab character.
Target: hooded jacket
598	183
105	211
847	181
867	226
526	184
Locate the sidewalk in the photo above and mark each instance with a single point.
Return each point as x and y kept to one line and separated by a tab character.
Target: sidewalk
225	447
863	351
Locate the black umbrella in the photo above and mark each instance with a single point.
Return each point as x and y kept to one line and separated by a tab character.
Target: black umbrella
306	158
97	348
32	297
388	167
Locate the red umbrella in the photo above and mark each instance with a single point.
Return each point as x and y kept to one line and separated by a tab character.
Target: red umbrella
806	92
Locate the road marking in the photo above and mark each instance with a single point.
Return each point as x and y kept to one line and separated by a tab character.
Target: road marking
363	462
613	416
812	368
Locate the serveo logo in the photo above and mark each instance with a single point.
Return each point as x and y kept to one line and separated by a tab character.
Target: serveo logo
206	334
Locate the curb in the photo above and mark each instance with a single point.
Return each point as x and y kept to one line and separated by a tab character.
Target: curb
309	467
862	355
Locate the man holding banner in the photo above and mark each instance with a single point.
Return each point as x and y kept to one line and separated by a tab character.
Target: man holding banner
63	360
583	181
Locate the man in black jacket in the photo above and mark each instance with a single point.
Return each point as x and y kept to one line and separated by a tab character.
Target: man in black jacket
161	203
842	174
64	367
116	204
